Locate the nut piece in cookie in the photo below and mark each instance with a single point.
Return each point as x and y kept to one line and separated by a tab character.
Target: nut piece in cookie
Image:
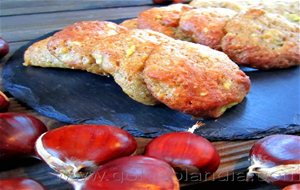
38	55
163	19
73	45
206	26
130	24
123	56
195	79
262	40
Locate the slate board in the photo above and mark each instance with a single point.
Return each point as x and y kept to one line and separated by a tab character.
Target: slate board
272	106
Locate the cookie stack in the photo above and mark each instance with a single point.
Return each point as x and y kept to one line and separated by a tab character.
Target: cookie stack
256	33
149	66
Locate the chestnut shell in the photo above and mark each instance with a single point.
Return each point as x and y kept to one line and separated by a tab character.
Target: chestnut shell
133	172
77	150
282	149
18	133
276	159
4	48
20	184
4	102
292	187
185	152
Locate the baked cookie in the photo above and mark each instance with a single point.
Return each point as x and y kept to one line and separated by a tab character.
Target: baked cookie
194	79
130	24
73	45
123	56
290	9
206	26
262	40
163	19
286	8
236	5
38	55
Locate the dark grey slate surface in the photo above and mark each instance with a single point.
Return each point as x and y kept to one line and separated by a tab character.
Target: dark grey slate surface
272	106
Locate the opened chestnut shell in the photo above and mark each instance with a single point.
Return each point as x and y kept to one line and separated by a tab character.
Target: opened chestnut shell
276	159
18	133
20	184
185	152
77	150
133	172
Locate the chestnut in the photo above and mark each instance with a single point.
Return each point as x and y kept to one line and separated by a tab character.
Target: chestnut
162	2
20	184
77	150
165	2
292	187
4	102
133	172
18	133
4	48
276	159
181	1
185	152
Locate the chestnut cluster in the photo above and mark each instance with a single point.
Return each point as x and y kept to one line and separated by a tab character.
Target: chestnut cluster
94	157
103	157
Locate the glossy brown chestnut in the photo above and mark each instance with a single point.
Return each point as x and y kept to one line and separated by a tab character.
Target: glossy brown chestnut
4	102
185	152
292	187
20	184
133	172
276	159
162	2
181	1
18	133
165	2
76	150
4	48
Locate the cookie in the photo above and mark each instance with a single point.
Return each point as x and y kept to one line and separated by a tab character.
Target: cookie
130	24
236	5
195	79
38	55
287	8
262	40
73	45
206	26
123	56
163	19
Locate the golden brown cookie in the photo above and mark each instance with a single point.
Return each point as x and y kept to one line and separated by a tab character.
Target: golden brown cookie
290	9
206	26
130	24
73	45
123	56
262	40
286	8
236	5
38	55
194	79
163	19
